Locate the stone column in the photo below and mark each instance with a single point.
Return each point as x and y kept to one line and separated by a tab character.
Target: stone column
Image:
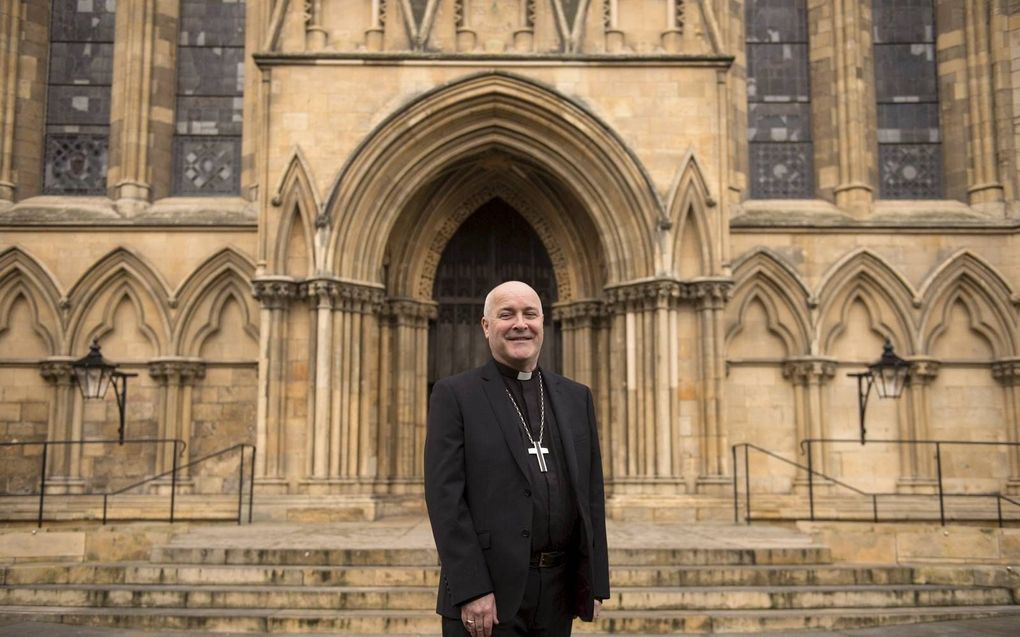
709	297
322	293
1007	372
10	36
402	430
809	376
316	37
853	192
64	461
672	36
176	377
984	187
130	105
644	431
614	38
275	295
916	460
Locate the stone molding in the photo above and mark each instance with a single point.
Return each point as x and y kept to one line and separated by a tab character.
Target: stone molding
176	371
668	294
57	371
275	294
1007	371
584	313
343	295
805	371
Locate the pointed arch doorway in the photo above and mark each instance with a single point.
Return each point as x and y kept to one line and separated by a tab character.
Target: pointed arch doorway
493	245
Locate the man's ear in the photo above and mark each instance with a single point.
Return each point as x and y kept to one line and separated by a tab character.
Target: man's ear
485	327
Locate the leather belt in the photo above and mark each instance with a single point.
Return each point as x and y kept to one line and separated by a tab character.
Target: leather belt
548	559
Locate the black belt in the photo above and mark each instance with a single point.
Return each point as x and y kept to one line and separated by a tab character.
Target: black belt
548	559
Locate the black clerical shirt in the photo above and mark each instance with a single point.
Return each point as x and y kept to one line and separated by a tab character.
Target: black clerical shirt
554	522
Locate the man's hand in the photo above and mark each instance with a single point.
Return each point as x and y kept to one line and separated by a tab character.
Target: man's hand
479	616
596	610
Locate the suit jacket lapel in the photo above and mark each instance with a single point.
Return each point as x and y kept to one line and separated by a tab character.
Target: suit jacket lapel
566	420
495	392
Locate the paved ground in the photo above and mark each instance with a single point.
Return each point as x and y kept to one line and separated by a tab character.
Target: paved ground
995	627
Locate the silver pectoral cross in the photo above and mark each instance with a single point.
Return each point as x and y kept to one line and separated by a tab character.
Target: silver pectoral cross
539	451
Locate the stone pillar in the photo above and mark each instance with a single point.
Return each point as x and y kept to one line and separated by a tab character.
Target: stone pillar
585	352
321	292
710	297
916	461
672	36
275	295
130	104
64	461
316	37
375	35
984	187
402	430
853	191
1007	372
644	431
614	38
524	35
10	36
176	377
809	376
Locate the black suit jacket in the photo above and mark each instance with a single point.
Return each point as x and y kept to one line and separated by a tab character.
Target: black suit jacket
479	496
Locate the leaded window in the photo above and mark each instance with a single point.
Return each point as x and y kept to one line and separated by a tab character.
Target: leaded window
210	78
778	99
906	89
78	97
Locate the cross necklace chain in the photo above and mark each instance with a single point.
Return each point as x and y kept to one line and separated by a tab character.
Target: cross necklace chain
537	449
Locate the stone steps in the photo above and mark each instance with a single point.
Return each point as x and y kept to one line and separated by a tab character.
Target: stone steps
375	575
426	622
181	596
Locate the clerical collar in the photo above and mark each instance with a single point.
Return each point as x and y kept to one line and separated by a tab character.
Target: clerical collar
510	372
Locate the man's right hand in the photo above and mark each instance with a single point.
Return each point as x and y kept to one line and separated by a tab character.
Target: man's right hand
479	616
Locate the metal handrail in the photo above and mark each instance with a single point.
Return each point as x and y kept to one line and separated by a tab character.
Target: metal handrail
173	472
806	446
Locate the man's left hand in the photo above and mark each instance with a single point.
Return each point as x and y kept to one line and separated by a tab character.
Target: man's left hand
596	610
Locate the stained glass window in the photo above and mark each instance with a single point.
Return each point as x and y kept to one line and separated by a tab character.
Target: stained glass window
906	89
779	102
210	79
78	98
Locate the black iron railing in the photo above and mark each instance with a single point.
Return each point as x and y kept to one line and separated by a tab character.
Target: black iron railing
174	473
812	474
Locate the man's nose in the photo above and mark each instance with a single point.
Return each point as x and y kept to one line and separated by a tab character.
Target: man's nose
519	322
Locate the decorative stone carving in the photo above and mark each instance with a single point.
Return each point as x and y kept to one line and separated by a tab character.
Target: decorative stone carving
343	295
710	293
176	371
57	371
1007	371
804	371
410	312
574	314
275	294
668	293
923	371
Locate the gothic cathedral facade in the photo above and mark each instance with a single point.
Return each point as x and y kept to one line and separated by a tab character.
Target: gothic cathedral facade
282	216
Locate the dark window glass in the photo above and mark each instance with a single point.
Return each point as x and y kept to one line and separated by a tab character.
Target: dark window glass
906	91
779	96
78	97
210	84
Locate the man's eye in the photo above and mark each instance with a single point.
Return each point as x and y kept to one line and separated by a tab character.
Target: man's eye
505	315
531	315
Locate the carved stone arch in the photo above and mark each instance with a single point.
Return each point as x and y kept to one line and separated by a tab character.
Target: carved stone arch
863	275
577	270
298	201
764	275
200	325
967	278
226	271
528	122
130	272
113	295
687	209
20	273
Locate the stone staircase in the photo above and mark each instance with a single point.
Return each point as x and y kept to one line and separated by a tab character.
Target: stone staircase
386	590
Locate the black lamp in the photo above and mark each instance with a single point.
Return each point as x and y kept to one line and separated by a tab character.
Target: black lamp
891	371
95	374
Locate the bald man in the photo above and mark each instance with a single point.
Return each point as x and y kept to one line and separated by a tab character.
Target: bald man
513	484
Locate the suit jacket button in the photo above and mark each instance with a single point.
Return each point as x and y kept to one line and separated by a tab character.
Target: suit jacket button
525	533
527	493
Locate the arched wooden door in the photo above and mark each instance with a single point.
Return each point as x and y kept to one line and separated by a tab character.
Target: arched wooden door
493	245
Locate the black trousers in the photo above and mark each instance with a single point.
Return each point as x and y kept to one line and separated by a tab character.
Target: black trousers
545	610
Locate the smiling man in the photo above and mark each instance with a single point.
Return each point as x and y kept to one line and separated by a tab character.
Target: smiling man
513	484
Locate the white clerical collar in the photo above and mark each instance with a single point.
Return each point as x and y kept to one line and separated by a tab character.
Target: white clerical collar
524	375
